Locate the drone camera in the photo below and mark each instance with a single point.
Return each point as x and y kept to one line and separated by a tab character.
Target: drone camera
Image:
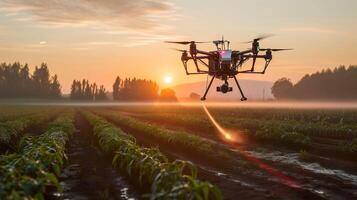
224	88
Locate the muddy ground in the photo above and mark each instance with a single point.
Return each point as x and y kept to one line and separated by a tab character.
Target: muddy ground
88	173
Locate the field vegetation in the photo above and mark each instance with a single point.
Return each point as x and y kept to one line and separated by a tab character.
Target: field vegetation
325	130
31	170
150	167
177	153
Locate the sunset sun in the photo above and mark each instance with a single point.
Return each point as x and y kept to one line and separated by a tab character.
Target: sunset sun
168	79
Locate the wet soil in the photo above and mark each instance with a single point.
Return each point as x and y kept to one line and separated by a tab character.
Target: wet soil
88	173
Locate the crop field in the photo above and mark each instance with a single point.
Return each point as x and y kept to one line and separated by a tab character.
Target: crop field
177	152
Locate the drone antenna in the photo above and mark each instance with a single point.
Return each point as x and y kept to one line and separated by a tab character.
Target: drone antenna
223	44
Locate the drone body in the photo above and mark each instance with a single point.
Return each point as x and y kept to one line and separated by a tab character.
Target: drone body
224	63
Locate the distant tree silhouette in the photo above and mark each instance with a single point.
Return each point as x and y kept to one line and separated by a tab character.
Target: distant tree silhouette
194	96
116	88
337	84
167	95
281	88
135	90
17	82
83	90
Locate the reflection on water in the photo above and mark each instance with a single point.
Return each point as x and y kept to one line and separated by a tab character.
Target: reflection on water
293	159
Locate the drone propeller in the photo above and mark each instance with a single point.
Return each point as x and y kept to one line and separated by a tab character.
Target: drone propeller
184	42
275	49
180	50
259	38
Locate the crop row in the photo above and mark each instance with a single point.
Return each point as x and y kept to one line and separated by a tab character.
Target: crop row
10	113
167	180
326	116
190	142
13	129
337	131
33	169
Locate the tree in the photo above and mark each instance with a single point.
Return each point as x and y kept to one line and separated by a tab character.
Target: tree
337	84
116	88
194	96
135	90
101	94
282	88
55	88
167	95
84	90
17	82
41	81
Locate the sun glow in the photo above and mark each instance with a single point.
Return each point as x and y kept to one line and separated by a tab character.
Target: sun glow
168	79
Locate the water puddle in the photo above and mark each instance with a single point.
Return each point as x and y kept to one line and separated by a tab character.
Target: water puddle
293	159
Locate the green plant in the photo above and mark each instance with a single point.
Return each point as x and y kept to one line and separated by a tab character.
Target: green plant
183	139
13	129
27	173
149	166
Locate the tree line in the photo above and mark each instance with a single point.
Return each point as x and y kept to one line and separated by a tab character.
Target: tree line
140	90
337	84
84	90
16	81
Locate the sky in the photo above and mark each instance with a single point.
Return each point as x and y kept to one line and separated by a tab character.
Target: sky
101	39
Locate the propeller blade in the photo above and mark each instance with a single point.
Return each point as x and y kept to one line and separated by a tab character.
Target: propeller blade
203	42
177	42
180	50
275	49
281	49
184	42
259	38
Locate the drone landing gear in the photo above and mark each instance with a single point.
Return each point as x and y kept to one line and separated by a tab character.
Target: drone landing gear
210	84
207	89
240	89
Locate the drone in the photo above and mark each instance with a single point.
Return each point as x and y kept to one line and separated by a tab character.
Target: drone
224	63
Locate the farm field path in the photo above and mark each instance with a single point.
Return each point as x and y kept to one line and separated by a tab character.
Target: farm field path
89	173
338	181
233	179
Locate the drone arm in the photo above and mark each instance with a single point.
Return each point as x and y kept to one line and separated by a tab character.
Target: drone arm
204	52
267	62
192	73
205	64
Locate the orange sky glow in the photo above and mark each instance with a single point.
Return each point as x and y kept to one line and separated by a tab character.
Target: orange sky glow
99	40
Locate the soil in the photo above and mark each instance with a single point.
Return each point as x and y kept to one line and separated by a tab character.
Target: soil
88	173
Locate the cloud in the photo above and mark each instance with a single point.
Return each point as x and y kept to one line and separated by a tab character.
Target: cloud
112	16
43	43
309	30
